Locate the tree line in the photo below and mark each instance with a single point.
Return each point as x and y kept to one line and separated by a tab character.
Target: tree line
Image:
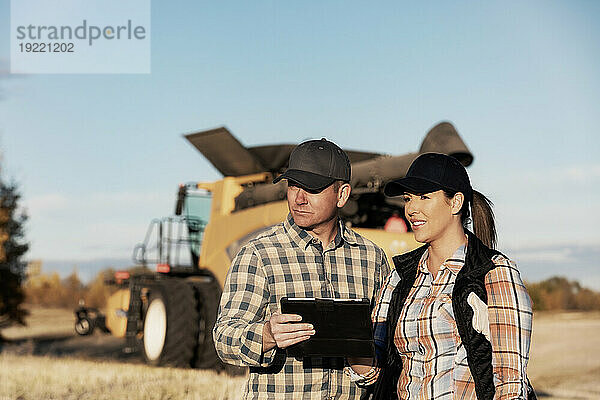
559	293
553	294
51	291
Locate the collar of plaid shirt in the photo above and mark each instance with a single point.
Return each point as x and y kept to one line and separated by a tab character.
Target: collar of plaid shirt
302	238
453	264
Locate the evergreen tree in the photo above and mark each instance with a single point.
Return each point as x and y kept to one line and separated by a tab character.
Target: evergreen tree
12	248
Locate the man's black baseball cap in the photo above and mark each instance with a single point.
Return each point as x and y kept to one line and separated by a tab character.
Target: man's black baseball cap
316	164
431	172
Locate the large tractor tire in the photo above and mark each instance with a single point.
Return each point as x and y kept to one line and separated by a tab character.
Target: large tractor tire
209	295
170	324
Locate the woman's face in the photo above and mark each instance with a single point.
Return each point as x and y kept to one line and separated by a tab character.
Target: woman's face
432	215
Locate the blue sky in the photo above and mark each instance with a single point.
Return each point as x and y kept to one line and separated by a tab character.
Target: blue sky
98	156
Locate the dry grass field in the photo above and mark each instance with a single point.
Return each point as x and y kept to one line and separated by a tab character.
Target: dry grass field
46	361
565	355
43	377
43	322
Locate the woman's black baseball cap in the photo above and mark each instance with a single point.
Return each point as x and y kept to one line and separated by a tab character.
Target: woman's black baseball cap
316	164
431	172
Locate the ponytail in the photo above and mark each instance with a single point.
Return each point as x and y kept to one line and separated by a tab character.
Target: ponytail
482	217
484	226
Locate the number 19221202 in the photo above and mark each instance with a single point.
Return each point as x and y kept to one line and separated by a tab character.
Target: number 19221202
47	47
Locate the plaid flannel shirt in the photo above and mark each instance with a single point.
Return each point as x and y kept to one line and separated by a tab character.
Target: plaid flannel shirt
433	358
288	261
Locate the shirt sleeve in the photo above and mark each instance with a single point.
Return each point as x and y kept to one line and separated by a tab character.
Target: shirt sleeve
378	316
381	275
510	319
238	330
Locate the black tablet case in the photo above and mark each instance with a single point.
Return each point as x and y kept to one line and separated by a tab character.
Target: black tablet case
343	328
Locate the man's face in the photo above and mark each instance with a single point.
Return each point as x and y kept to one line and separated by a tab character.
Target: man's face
312	209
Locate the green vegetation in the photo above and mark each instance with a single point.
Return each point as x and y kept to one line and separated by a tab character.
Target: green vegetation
12	249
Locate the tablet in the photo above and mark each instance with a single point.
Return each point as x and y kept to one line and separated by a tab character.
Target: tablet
343	327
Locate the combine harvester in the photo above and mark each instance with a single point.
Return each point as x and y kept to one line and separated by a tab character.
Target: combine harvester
168	311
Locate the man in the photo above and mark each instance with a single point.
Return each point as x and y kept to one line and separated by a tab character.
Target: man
310	254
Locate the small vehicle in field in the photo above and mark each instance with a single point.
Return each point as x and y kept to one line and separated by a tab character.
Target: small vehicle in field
88	319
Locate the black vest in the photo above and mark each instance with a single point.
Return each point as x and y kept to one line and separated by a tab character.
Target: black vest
471	278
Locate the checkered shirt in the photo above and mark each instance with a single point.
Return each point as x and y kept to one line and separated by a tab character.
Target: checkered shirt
288	261
434	360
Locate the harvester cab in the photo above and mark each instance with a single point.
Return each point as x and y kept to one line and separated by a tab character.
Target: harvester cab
172	244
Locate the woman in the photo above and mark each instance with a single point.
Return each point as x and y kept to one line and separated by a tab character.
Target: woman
453	320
